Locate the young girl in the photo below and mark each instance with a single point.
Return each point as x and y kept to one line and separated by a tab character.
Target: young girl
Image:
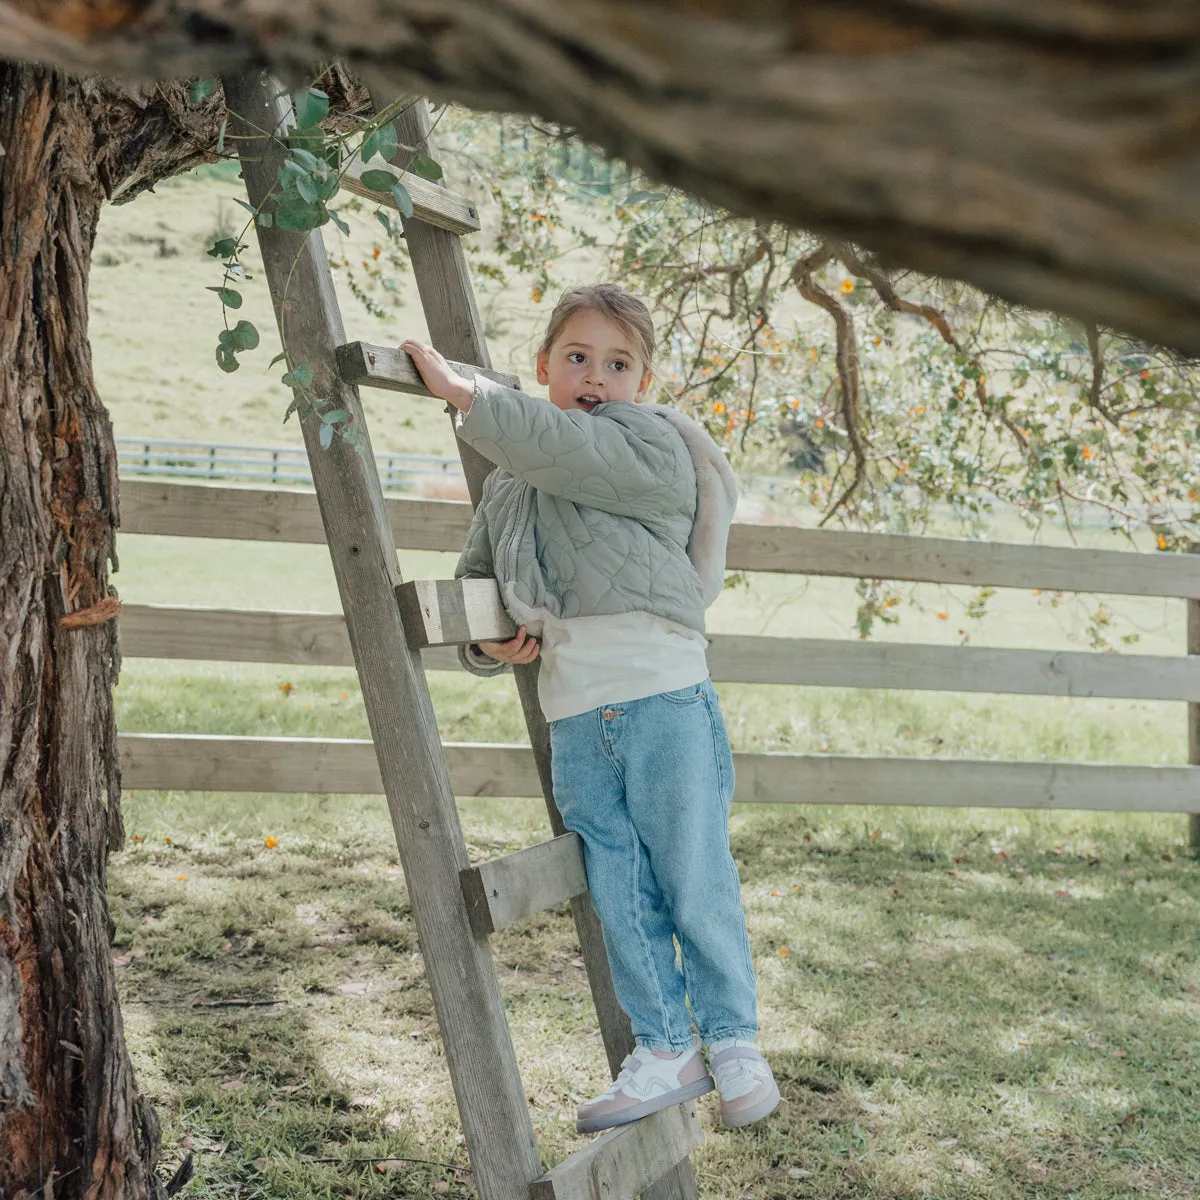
605	526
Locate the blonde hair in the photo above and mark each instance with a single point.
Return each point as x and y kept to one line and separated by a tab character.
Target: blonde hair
611	301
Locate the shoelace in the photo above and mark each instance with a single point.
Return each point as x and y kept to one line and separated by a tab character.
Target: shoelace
738	1076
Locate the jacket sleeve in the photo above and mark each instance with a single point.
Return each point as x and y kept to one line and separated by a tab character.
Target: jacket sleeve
591	460
475	561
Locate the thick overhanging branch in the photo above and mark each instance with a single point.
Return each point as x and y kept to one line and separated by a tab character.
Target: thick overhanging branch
1044	152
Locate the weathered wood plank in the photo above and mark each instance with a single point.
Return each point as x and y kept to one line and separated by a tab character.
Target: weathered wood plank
958	561
453	612
248	635
194	762
432	204
274	515
528	881
479	1050
192	510
832	662
619	1164
166	631
390	368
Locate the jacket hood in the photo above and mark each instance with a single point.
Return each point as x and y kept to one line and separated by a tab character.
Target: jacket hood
716	499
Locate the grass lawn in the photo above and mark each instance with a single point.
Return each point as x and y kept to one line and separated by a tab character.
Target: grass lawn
957	1003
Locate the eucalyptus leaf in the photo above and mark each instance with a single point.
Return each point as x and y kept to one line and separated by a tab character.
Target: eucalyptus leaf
223	248
425	166
293	212
306	189
265	219
227	360
305	158
278	358
299	376
228	296
339	222
326	436
312	107
245	336
380	181
403	200
384	220
334	416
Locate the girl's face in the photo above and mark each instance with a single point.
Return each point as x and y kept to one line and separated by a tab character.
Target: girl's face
592	362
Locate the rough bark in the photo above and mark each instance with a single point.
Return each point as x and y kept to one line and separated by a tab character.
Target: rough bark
1044	151
71	1121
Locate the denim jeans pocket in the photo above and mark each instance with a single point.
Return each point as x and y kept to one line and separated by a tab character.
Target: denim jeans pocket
693	694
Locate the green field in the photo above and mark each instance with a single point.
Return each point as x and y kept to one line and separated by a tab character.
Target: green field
957	1002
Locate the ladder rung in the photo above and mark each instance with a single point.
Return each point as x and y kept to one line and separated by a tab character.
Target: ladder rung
517	885
390	368
453	612
432	203
625	1161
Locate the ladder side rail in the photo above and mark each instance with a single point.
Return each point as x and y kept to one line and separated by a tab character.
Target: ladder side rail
478	1044
455	328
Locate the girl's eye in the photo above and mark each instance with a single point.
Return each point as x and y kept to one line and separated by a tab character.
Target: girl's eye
620	364
575	356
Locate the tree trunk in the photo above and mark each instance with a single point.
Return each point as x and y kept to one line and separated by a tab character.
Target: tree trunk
71	1121
1046	152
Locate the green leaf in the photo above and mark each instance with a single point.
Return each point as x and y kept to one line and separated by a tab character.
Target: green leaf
245	336
326	436
278	358
265	219
291	408
381	141
312	107
339	222
380	181
306	159
227	360
299	376
200	90
425	166
403	200
228	296
306	189
246	205
332	418
383	219
293	212
223	248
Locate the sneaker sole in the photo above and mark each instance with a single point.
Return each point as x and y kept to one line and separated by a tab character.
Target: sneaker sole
635	1112
748	1116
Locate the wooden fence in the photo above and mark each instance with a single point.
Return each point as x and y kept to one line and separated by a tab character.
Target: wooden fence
188	762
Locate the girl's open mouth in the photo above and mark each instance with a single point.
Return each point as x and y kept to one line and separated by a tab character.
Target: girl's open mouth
587	405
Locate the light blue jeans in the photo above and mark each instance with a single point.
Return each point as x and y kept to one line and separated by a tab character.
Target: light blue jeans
647	785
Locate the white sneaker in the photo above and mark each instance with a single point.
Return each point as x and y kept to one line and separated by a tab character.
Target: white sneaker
645	1084
744	1080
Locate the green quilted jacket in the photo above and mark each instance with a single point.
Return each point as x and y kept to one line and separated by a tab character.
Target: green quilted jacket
624	509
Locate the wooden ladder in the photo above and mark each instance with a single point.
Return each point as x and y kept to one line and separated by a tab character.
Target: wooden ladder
455	907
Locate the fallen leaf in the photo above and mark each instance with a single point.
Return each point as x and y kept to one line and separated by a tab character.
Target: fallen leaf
354	988
390	1164
798	1173
122	960
260	1164
439	1186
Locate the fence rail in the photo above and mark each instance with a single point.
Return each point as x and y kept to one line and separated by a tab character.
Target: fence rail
307	765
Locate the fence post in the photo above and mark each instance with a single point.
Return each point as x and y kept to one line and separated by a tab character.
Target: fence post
1193	717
